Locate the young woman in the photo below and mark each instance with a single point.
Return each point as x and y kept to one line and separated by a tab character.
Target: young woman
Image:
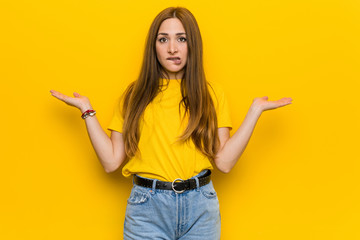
170	126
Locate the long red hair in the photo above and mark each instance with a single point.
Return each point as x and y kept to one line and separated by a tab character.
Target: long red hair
196	99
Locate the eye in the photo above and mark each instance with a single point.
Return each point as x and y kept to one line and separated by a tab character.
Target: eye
182	39
162	40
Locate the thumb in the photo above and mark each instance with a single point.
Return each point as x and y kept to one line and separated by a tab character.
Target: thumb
265	97
76	94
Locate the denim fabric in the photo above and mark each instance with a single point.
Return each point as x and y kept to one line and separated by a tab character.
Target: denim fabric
163	214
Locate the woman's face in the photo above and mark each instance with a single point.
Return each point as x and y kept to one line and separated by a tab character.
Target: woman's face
171	47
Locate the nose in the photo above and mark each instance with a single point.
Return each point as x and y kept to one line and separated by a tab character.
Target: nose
172	48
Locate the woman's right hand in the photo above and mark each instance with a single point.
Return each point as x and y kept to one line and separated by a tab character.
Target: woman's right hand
78	101
110	151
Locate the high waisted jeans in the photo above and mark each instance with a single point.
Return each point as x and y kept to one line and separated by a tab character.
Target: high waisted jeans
154	214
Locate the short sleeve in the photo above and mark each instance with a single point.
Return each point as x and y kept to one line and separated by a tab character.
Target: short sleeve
221	106
117	121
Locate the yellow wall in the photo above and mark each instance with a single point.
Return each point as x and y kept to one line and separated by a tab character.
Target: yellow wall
297	179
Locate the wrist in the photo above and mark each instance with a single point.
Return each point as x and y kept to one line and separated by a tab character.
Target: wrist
256	109
85	108
88	113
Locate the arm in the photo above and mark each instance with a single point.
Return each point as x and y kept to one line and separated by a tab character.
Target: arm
231	148
110	151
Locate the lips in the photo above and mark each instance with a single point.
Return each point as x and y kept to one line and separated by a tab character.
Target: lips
176	60
173	58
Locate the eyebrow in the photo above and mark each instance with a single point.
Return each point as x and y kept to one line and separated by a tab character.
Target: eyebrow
166	34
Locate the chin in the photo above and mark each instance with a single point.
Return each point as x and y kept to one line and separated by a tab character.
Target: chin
174	70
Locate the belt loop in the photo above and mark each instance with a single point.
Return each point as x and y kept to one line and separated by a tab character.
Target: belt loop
197	184
153	186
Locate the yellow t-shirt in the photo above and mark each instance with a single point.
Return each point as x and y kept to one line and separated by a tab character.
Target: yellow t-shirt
161	156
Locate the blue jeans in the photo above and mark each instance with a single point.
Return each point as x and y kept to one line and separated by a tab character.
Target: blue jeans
156	214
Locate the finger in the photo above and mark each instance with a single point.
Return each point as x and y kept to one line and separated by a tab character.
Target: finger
283	101
76	94
286	100
58	95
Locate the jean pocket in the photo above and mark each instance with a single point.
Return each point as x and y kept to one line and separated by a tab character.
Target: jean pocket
209	192
138	197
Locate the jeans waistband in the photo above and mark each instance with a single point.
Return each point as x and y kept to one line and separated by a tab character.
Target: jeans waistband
178	185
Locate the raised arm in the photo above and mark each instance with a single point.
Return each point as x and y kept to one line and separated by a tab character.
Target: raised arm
232	148
110	151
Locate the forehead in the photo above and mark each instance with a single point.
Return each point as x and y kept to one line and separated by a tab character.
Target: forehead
171	25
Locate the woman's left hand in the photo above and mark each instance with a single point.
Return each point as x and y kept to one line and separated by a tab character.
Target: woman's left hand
262	103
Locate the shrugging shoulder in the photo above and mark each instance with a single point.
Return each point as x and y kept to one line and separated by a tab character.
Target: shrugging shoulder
221	105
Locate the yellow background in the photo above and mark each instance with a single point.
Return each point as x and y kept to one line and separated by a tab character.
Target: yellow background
297	179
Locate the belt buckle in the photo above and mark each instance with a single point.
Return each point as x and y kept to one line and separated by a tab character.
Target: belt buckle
173	188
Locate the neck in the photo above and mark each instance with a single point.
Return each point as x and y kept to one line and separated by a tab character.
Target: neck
174	75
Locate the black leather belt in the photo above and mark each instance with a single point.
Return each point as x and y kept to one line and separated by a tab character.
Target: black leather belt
178	185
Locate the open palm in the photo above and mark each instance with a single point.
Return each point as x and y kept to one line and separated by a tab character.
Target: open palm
78	101
264	104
